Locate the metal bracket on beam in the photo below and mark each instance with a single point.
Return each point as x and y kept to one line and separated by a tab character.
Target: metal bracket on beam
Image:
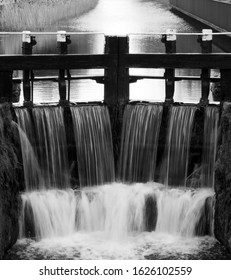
63	40
28	42
170	47
205	42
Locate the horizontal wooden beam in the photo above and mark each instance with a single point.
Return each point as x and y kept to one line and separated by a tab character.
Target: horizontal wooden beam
176	78
101	61
43	62
193	61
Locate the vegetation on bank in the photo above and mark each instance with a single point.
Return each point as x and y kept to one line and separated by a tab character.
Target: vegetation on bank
37	15
8	158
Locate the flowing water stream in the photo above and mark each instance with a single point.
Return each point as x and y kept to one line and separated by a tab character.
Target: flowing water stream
102	218
139	143
115	221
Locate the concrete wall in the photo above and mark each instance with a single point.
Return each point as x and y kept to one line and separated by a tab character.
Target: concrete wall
212	12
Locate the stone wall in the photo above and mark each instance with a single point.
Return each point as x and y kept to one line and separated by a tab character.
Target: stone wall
9	184
223	181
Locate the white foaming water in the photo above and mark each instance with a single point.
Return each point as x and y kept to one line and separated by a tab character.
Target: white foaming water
180	210
53	213
110	221
95	245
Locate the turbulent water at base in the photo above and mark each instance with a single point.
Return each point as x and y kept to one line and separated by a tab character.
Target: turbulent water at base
44	148
106	220
209	146
139	142
115	221
175	164
94	149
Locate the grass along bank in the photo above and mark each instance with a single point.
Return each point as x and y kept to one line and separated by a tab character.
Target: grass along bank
37	15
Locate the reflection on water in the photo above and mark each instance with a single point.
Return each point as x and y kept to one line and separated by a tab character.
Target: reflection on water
118	17
81	43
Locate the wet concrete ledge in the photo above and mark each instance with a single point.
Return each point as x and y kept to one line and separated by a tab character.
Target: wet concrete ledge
217	18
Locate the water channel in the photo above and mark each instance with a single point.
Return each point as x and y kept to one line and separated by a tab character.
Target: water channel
119	17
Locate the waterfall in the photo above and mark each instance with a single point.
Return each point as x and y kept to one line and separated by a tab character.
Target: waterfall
175	164
52	146
139	142
141	213
44	148
32	171
118	210
94	149
48	213
209	146
182	212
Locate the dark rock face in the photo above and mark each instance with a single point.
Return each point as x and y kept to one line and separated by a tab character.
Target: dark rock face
223	181
205	224
9	201
151	213
29	220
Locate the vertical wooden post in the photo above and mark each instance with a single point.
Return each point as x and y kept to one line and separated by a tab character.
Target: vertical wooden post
111	91
123	72
116	86
206	47
170	47
116	89
226	85
63	41
5	86
111	73
28	42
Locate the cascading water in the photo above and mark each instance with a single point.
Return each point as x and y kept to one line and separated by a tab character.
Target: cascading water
175	164
52	146
32	172
118	220
117	210
209	146
139	142
42	135
94	149
114	221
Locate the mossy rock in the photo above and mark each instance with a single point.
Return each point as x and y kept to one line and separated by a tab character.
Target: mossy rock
9	184
223	181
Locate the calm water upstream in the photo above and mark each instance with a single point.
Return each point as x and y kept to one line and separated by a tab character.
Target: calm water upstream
119	17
